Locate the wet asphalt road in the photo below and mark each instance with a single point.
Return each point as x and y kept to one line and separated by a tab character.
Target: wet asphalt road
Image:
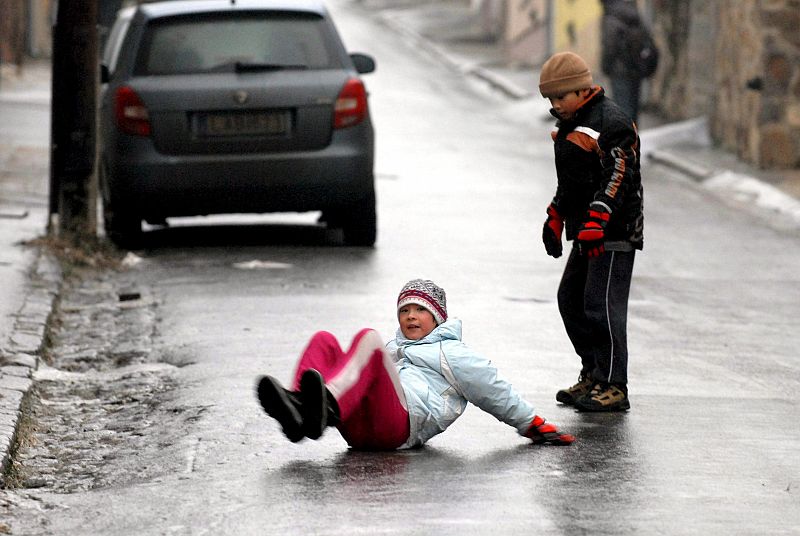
709	447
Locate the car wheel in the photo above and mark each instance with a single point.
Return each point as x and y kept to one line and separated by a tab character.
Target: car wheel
122	227
359	223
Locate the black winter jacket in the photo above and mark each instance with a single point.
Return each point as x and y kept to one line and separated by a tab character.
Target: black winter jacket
597	160
618	58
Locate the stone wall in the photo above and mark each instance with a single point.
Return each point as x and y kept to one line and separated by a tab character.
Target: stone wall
739	64
757	113
685	33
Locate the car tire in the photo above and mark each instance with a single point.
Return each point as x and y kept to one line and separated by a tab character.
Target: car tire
122	227
360	223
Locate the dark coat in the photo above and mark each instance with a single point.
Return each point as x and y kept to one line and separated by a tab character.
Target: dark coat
597	159
618	59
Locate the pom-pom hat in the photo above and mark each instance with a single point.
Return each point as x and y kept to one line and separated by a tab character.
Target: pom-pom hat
562	73
426	293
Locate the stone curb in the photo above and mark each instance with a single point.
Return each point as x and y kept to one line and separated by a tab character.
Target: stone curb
667	158
499	82
783	209
758	194
19	357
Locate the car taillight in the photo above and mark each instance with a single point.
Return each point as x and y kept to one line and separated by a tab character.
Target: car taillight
351	105
131	113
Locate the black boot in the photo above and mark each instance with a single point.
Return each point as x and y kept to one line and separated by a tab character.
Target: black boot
315	403
283	406
333	411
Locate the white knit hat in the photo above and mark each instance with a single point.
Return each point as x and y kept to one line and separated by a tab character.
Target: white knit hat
426	293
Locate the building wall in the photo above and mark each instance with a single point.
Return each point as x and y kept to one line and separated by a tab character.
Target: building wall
41	20
535	29
527	32
685	32
739	64
576	27
756	112
12	31
26	30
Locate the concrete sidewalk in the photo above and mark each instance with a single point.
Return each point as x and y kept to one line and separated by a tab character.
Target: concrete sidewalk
450	30
30	276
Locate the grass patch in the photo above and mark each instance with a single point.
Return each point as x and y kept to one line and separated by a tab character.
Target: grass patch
84	252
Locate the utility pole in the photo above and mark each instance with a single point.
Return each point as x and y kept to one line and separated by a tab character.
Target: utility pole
72	127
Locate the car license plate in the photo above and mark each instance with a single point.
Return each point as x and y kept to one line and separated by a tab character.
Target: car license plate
221	124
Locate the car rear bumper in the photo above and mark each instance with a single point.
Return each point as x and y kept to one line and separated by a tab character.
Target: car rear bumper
155	185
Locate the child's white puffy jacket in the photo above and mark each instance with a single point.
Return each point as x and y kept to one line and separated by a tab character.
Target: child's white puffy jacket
440	374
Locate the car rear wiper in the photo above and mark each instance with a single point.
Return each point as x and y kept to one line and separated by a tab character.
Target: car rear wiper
241	67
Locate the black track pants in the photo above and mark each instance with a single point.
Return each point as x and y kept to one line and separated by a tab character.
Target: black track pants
593	301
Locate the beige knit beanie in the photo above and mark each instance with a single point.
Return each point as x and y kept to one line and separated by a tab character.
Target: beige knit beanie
562	73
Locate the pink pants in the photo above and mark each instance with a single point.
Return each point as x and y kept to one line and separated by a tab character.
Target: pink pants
365	384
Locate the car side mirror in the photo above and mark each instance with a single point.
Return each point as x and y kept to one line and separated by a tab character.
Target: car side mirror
105	74
363	63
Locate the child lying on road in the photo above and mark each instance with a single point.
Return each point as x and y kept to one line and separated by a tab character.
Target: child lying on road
403	394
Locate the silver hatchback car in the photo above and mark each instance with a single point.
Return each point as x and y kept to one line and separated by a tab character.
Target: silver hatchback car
245	106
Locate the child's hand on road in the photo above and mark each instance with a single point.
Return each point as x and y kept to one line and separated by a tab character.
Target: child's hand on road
545	433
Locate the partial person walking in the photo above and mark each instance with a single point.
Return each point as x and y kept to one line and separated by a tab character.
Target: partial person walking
403	394
629	54
599	201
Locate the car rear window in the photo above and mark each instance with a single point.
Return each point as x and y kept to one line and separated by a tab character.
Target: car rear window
182	45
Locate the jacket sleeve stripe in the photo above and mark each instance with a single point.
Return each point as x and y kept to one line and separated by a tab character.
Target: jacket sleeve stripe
589	132
612	188
584	141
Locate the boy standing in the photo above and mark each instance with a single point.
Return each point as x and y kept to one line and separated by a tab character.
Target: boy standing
598	201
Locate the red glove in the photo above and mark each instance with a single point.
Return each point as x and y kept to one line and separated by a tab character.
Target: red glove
545	433
551	233
591	236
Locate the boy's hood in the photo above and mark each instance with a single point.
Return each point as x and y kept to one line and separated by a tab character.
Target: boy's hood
447	330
